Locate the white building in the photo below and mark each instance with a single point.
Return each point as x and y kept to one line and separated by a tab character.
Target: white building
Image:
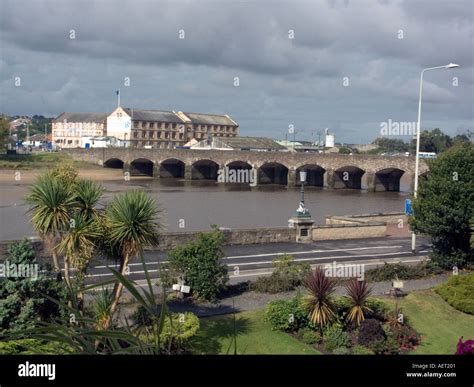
69	128
166	129
101	142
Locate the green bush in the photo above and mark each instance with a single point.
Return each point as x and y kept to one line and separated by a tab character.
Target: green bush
458	292
309	336
386	346
287	276
341	351
361	350
199	264
286	315
390	271
379	309
183	327
22	299
335	337
32	347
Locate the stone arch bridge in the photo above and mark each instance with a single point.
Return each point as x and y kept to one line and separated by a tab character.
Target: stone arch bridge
380	173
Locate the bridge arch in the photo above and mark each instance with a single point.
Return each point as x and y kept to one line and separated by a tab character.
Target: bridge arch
273	173
348	176
172	168
113	163
314	175
239	164
141	167
204	170
387	179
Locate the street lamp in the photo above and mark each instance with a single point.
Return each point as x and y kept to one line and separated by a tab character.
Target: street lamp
417	157
302	211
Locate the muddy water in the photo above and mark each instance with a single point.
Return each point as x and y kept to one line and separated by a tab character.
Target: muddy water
191	206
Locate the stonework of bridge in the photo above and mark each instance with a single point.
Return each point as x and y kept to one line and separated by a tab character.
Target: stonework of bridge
382	173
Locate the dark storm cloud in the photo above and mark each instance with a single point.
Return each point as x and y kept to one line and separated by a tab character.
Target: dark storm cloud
282	80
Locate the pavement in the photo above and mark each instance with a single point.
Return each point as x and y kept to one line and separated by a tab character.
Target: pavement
251	300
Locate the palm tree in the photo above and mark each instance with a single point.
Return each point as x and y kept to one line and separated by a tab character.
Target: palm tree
131	222
88	194
50	204
318	302
78	243
358	292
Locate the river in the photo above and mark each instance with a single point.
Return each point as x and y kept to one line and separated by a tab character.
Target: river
192	206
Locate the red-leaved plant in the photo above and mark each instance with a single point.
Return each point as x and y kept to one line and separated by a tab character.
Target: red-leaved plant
465	347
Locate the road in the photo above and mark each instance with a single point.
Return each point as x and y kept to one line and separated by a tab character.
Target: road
249	261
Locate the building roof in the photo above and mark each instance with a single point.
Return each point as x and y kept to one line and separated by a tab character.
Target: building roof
81	117
210	119
153	115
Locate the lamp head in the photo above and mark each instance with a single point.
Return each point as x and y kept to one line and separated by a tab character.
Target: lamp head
303	176
452	66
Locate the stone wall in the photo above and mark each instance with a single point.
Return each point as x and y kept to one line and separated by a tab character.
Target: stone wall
349	231
170	240
388	217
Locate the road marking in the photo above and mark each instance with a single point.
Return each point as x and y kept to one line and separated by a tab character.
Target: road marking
321	258
267	255
266	262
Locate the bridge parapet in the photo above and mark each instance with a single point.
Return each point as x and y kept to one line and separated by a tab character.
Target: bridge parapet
337	170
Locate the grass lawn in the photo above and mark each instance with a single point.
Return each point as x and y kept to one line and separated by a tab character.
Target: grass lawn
254	336
439	324
37	160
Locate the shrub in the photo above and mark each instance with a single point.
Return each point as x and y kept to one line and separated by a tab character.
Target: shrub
335	337
386	346
379	309
183	327
465	347
458	292
361	350
32	347
406	337
309	336
370	331
286	315
199	264
390	271
286	276
141	317
22	300
341	351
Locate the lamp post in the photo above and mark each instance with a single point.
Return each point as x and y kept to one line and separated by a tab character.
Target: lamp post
417	157
302	211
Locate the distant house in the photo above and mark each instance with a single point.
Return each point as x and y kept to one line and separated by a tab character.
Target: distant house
166	129
69	128
259	144
101	142
35	141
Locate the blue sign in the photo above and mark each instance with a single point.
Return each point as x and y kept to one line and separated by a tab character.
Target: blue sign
408	207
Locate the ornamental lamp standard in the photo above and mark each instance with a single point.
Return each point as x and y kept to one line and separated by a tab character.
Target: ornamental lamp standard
418	130
302	211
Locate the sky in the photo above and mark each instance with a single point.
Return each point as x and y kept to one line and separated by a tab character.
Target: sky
346	65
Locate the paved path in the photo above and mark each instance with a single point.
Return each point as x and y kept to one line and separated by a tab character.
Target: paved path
252	300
